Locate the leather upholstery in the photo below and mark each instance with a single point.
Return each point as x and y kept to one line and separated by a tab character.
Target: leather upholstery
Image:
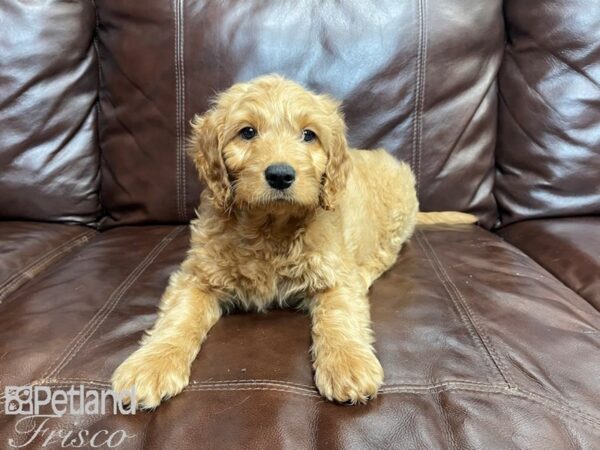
29	248
49	160
487	341
419	81
462	326
569	248
548	162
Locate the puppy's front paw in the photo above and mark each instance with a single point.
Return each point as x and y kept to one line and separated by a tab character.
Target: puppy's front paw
155	373
348	375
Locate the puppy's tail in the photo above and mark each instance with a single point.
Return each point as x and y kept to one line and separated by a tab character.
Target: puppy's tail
448	217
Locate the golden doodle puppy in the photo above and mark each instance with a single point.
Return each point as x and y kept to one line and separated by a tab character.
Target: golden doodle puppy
290	213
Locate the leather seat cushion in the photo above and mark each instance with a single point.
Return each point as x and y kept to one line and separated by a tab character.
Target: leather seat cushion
466	328
569	248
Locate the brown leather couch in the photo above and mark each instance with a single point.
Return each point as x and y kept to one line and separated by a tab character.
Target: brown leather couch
489	335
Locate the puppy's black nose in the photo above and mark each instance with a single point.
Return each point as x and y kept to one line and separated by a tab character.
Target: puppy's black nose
280	176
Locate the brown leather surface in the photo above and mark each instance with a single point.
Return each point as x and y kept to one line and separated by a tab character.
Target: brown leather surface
569	248
548	162
467	329
418	80
29	248
49	161
482	346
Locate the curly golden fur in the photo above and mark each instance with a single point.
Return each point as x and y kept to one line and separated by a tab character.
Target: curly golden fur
320	243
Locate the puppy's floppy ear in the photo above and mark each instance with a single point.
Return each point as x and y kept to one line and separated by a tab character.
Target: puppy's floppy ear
205	149
333	139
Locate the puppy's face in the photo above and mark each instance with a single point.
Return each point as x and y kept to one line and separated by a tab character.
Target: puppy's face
271	144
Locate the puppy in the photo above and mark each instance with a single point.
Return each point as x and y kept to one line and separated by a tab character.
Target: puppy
289	213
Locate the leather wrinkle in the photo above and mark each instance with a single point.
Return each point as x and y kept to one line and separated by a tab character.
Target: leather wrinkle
468	122
567	63
518	124
530	86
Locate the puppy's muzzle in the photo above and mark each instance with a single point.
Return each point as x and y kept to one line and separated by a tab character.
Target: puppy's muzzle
280	176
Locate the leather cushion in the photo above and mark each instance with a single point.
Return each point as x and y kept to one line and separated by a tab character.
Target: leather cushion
49	158
418	79
461	322
549	113
569	248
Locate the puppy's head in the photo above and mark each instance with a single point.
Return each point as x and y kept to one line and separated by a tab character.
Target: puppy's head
271	144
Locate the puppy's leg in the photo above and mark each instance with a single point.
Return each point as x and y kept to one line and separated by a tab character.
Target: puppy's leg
160	368
346	368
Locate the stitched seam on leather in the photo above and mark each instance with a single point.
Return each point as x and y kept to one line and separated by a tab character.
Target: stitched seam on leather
416	95
176	65
290	384
283	383
278	388
37	266
555	407
478	326
419	93
454	385
280	382
462	313
36	262
265	387
192	386
562	404
436	383
179	108
423	83
102	210
254	388
182	113
202	388
400	382
94	323
250	381
254	381
247	380
241	385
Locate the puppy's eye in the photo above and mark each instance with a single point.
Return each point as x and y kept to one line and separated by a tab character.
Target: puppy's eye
247	133
308	136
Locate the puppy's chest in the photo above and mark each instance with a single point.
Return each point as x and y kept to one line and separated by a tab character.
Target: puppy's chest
267	275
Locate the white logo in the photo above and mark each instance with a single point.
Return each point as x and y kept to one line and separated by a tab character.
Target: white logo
37	400
41	405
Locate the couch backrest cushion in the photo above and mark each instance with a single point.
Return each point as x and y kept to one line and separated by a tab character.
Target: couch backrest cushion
49	161
548	155
418	78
